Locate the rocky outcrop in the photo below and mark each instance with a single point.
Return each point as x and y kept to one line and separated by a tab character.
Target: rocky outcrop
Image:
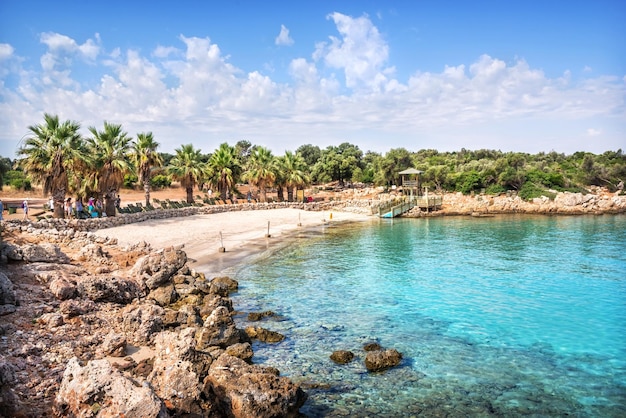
8	400
97	389
8	300
264	335
244	390
379	360
219	330
342	356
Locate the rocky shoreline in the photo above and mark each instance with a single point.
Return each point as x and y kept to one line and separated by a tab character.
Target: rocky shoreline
78	312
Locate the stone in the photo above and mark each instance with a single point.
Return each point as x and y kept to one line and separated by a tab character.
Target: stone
242	351
8	400
114	345
257	316
231	284
372	347
244	390
51	320
8	299
140	323
178	372
93	252
164	295
62	288
211	302
218	329
108	289
159	267
44	252
342	356
98	389
75	307
382	359
264	335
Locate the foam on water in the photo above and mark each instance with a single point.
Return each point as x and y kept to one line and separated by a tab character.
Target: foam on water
499	316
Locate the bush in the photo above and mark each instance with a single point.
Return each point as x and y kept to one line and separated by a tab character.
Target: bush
495	189
531	190
160	181
130	180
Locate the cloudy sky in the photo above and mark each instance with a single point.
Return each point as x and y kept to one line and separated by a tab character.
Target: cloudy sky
520	75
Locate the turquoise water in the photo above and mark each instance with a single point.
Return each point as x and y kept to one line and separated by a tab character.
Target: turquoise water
503	316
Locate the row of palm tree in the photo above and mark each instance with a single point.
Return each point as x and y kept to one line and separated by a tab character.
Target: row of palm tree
55	155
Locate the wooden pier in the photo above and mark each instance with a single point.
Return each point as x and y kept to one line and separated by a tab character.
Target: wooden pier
400	206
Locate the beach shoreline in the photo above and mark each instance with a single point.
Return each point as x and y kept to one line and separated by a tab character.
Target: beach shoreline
243	235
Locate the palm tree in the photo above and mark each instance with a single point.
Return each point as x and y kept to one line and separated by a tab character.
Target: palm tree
223	169
52	154
261	170
293	168
188	168
146	158
111	150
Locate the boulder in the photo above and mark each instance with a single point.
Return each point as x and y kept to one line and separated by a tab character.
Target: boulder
63	288
372	347
159	267
140	323
218	330
164	295
244	390
211	302
114	345
264	335
8	400
382	359
178	373
242	351
92	252
108	289
257	316
44	252
219	282
97	389
342	356
75	307
8	299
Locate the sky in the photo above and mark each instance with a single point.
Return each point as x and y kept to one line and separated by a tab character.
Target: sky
520	75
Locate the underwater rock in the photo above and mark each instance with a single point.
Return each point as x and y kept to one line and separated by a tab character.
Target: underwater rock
376	361
342	356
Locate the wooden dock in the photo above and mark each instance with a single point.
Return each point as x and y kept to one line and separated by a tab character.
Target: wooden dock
398	207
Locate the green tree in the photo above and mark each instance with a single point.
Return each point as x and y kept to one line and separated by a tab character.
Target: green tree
224	169
53	153
310	153
111	150
5	166
261	170
188	168
293	169
395	161
146	159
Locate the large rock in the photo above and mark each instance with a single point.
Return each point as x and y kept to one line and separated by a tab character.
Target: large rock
63	288
44	252
8	300
211	302
158	268
219	330
109	289
219	283
164	295
342	356
8	400
141	323
382	359
97	389
244	390
178	373
264	335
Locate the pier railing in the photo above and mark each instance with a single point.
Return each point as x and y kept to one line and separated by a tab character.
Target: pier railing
398	206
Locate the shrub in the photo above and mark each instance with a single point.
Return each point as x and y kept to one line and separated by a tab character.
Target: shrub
531	190
130	180
160	181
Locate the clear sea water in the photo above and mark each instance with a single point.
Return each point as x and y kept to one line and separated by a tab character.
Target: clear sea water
503	316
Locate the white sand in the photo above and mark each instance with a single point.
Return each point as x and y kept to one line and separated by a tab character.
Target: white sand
243	233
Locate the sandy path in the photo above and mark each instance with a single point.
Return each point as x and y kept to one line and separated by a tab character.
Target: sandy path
243	233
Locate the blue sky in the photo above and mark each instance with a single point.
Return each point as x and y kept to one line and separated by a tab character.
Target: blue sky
526	76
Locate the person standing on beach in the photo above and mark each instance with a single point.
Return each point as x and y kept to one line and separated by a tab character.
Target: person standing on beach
25	208
68	208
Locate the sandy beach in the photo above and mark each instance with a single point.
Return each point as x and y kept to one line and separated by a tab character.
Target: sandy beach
243	234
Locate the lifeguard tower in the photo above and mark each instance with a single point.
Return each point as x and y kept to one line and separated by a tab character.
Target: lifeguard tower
412	196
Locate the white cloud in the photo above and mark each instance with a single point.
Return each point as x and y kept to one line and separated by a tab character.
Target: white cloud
190	92
283	37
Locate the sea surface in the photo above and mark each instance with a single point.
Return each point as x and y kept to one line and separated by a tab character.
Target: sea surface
502	316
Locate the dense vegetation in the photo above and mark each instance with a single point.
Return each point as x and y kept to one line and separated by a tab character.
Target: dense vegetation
63	162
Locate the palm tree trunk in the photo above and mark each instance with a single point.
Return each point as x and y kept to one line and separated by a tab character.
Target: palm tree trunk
263	192
146	189
109	203
290	194
59	203
280	193
189	194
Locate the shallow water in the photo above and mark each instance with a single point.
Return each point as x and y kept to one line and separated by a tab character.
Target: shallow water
504	316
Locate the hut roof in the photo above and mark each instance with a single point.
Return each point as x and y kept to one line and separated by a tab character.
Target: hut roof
411	171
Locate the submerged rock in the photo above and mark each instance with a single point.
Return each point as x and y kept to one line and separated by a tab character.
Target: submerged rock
342	356
264	335
376	361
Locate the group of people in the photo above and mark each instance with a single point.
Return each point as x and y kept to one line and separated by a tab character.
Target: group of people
77	210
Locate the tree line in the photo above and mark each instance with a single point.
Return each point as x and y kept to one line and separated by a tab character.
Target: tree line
57	157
